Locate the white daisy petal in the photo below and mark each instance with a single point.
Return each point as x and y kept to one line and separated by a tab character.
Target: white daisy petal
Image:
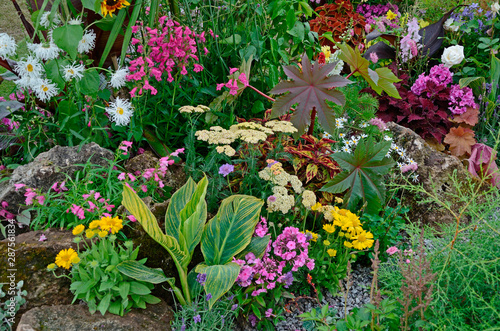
46	51
7	46
29	67
118	79
73	71
44	89
120	111
88	42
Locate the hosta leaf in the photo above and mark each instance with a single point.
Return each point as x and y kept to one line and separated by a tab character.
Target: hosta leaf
460	140
362	175
310	88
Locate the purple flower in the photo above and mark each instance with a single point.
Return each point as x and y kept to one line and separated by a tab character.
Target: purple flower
271	198
269	312
252	319
197	318
234	307
209	296
226	169
201	278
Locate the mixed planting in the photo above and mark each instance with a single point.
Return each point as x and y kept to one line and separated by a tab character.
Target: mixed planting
281	114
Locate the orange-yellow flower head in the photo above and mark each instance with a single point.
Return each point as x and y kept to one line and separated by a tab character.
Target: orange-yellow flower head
363	240
66	257
111	224
110	6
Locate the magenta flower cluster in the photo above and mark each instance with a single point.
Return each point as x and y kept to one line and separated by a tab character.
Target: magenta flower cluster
232	84
4	212
31	195
283	257
376	15
437	81
168	48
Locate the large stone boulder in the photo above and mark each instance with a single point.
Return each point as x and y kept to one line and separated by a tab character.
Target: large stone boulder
78	318
434	171
50	167
30	262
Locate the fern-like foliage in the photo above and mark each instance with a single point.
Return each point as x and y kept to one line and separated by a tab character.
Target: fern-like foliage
357	105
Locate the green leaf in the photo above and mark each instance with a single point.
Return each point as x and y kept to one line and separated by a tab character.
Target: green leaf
104	304
363	175
220	279
54	70
117	28
144	216
310	88
139	289
156	144
495	75
257	246
89	84
128	33
230	231
298	30
139	271
290	18
123	289
67	38
89	4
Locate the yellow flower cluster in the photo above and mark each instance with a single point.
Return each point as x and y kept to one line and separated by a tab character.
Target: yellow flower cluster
104	226
350	228
313	235
191	109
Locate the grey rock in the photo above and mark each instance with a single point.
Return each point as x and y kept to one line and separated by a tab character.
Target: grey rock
78	318
434	170
50	167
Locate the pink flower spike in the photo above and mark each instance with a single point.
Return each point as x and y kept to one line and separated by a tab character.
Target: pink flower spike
42	237
220	86
243	79
233	70
127	143
41	199
132	218
132	178
121	176
18	186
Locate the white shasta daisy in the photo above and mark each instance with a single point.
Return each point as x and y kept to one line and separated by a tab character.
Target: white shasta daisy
120	111
29	67
7	46
87	43
46	51
73	71
75	21
44	89
118	79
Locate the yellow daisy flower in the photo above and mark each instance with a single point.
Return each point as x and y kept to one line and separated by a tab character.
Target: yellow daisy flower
65	257
326	243
89	233
331	252
390	15
330	228
78	229
109	6
103	234
363	240
51	266
316	207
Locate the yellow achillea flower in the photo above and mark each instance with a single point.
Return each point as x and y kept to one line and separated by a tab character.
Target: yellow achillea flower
78	229
363	240
109	6
331	252
339	200
65	257
330	228
390	15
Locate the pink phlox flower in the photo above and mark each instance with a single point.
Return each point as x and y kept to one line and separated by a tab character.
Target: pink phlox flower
374	57
392	250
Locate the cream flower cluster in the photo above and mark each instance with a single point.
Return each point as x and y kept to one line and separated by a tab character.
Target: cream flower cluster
191	109
308	199
282	201
249	132
281	178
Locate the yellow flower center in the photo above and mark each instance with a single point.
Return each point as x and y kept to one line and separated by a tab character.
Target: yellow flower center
119	110
71	71
29	67
361	237
45	88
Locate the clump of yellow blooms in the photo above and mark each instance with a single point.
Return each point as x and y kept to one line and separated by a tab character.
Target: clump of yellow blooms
104	226
65	258
349	227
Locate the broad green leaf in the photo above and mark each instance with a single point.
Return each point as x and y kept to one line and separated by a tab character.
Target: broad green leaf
54	69
310	88
220	279
89	84
139	289
386	80
495	76
156	144
144	216
179	200
136	270
89	4
128	33
290	18
123	288
117	28
194	215
67	38
362	175
104	304
257	246
230	231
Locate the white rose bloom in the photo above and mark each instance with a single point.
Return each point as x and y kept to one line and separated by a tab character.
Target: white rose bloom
495	7
448	25
7	46
453	55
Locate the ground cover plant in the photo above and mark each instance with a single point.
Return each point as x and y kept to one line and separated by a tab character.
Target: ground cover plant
276	164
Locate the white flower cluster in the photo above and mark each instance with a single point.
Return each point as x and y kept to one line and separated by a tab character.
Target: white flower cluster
331	58
7	46
30	71
281	201
47	23
45	51
281	178
281	126
191	109
339	122
248	132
